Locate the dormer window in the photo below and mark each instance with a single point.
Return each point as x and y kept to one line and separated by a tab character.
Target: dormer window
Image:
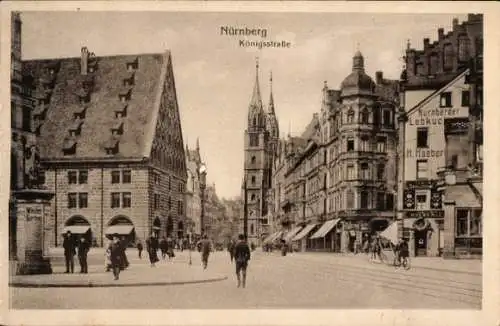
111	147
69	146
84	98
133	65
40	112
129	80
117	129
121	113
80	113
125	95
76	128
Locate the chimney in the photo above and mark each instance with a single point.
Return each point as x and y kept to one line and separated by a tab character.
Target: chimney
440	33
379	76
455	23
426	43
84	60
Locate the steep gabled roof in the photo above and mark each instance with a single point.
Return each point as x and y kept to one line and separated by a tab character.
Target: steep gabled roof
106	83
435	93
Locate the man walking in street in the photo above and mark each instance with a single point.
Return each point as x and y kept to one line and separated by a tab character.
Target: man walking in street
205	251
69	252
230	248
116	256
139	249
83	249
152	248
241	257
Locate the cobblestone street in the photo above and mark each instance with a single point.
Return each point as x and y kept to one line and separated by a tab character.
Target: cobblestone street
309	280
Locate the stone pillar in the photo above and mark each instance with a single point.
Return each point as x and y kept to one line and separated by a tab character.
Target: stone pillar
32	210
449	229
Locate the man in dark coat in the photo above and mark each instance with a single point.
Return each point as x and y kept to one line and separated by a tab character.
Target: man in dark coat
230	248
241	257
205	251
83	249
139	249
116	255
163	248
69	252
152	247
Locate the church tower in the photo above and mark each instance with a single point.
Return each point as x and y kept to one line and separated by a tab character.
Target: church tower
257	167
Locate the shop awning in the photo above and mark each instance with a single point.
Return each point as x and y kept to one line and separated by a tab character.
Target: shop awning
269	237
463	195
277	235
77	229
119	229
292	233
305	231
325	228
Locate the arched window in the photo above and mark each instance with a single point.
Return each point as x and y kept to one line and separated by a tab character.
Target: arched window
253	160
252	197
364	116
253	179
350	116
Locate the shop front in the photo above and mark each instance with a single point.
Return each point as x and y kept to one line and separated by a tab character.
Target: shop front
425	232
325	238
354	233
301	241
463	220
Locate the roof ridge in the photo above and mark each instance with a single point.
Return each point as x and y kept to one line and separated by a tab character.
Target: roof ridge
430	96
111	56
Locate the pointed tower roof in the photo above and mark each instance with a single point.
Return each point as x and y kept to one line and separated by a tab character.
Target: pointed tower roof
256	100
271	99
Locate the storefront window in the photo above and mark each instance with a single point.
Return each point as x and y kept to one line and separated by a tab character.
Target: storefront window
475	223
469	222
462	215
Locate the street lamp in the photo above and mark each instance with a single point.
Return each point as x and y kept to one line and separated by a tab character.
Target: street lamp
202	172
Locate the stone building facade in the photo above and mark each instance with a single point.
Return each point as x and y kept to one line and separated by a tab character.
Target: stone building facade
260	144
440	103
111	145
340	175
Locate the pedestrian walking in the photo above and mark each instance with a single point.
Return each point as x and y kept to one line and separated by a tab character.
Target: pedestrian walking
69	252
230	249
205	251
116	255
124	260
163	247
139	248
152	248
241	257
83	249
169	247
107	257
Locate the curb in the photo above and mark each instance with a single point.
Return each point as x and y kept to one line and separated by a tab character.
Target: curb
105	285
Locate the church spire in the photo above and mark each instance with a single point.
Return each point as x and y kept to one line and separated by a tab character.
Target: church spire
198	144
256	101
271	99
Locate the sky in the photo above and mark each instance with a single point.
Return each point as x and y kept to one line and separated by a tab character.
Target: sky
215	77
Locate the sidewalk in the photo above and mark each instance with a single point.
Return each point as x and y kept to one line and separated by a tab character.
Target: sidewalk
464	266
139	273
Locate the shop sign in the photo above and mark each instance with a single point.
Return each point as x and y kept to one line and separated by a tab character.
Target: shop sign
425	214
420	184
34	213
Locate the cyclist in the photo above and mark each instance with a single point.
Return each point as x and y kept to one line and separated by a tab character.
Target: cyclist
404	252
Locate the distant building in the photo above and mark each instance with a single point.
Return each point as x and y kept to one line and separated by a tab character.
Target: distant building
193	190
261	141
111	145
441	111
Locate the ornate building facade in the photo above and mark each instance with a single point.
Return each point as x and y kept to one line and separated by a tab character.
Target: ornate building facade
260	143
440	135
110	144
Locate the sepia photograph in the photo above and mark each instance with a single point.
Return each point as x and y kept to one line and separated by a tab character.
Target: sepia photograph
245	160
